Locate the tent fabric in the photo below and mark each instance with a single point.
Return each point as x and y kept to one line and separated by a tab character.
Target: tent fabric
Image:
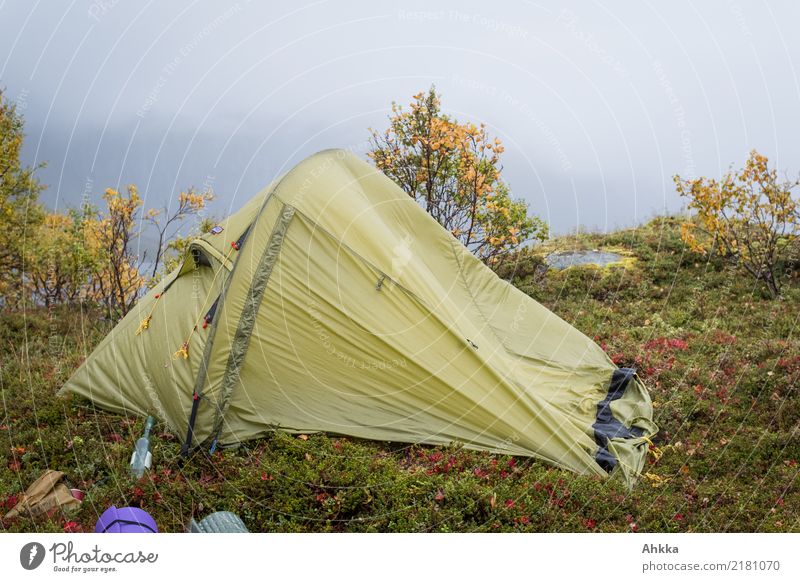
347	309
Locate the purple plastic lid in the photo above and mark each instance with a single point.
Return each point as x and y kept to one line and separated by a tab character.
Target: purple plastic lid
125	520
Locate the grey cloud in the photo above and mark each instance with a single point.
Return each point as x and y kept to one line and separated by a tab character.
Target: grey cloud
599	105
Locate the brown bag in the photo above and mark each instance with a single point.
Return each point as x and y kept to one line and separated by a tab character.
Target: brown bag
47	495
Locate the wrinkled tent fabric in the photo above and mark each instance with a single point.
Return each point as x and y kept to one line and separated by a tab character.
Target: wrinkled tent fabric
333	302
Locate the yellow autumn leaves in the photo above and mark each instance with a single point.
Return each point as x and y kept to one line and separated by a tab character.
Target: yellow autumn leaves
749	217
453	170
92	255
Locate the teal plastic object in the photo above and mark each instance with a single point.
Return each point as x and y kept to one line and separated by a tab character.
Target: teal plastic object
219	522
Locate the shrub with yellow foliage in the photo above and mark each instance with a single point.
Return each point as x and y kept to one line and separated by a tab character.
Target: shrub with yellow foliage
748	217
453	170
78	255
59	264
21	214
90	255
190	202
116	280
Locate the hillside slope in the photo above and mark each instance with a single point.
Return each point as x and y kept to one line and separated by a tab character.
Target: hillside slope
721	360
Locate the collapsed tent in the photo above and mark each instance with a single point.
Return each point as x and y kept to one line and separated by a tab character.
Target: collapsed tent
333	302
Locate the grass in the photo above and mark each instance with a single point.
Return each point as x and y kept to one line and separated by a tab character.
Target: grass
722	362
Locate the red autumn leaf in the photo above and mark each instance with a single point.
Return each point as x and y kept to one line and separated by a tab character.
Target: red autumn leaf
663	344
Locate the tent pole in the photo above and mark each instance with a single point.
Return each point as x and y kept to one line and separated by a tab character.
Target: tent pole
190	433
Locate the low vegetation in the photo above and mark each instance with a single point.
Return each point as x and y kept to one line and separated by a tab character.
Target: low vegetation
720	356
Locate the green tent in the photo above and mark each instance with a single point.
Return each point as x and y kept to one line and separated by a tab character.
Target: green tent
332	302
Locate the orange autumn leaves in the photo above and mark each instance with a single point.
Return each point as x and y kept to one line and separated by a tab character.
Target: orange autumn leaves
453	170
92	254
748	217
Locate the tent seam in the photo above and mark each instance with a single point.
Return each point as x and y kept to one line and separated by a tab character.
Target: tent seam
249	313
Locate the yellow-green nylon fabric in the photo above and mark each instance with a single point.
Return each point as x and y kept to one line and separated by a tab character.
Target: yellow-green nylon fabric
374	322
138	374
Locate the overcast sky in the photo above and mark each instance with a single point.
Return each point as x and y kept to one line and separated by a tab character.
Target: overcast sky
598	103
